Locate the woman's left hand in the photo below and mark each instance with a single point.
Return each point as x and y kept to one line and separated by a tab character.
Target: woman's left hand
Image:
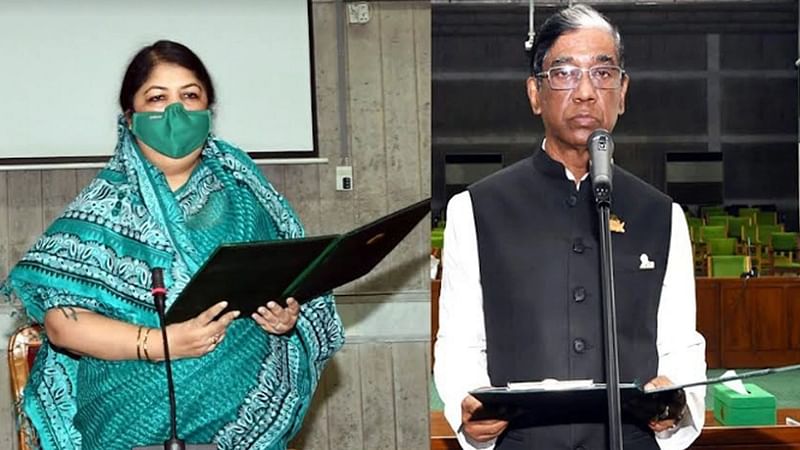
276	319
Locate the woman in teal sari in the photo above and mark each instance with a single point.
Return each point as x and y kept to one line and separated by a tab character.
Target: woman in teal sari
171	193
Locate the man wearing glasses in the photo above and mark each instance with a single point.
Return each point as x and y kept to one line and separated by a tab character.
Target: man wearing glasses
521	297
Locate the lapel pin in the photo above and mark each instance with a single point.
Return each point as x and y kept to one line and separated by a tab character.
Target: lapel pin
646	264
616	225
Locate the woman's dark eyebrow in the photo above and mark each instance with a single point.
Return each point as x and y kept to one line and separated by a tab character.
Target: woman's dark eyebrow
154	87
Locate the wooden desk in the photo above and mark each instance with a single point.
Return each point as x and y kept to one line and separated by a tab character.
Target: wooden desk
711	438
749	324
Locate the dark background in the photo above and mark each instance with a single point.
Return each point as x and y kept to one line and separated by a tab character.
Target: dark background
705	78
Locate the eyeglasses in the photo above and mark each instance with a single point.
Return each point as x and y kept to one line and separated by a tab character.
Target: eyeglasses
562	78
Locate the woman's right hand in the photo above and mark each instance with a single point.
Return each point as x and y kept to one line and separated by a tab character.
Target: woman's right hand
200	335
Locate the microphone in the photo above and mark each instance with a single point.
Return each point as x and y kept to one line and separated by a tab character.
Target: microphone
601	151
159	294
174	442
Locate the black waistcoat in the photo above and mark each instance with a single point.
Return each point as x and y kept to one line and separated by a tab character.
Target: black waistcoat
539	266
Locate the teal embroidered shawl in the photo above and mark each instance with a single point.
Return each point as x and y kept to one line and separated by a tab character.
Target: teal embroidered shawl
251	392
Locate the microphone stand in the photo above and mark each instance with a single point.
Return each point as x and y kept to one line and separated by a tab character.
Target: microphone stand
173	442
602	196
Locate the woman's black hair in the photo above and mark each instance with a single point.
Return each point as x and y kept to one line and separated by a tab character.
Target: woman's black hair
149	57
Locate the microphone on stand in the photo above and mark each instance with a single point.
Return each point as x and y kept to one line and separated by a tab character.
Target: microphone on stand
173	442
159	294
601	148
601	151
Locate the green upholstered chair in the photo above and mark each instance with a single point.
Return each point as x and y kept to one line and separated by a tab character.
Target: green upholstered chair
728	266
735	225
721	246
718	220
752	246
767	218
694	224
749	212
713	232
784	253
765	237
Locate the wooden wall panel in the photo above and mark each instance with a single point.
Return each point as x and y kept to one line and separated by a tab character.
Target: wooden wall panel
412	407
84	176
757	321
708	320
373	396
314	434
275	175
793	316
422	53
5	262
735	316
377	396
302	190
343	389
336	207
366	118
59	187
24	211
768	310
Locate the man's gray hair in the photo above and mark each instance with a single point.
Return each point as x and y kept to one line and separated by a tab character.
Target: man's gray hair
569	19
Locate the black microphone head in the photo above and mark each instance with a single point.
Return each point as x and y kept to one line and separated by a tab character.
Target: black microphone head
601	150
597	134
157	275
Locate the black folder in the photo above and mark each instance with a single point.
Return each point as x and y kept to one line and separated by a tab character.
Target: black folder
498	401
247	275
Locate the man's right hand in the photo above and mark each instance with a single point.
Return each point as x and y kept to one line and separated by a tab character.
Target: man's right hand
480	430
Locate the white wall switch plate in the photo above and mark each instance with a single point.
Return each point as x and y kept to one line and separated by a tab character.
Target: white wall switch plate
358	12
344	178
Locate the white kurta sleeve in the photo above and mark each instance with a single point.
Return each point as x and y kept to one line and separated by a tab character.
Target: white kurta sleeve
681	349
461	341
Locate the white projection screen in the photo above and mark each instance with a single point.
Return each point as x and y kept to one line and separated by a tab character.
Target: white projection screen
63	62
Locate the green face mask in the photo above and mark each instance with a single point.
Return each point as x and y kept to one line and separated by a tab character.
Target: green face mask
175	132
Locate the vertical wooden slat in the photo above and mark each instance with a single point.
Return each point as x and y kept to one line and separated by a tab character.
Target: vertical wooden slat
422	51
24	211
411	394
422	46
403	268
275	175
84	176
7	425
343	386
5	264
400	104
366	116
59	187
302	190
337	208
314	434
391	165
377	396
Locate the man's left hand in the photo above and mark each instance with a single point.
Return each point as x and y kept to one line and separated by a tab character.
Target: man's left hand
674	416
275	319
